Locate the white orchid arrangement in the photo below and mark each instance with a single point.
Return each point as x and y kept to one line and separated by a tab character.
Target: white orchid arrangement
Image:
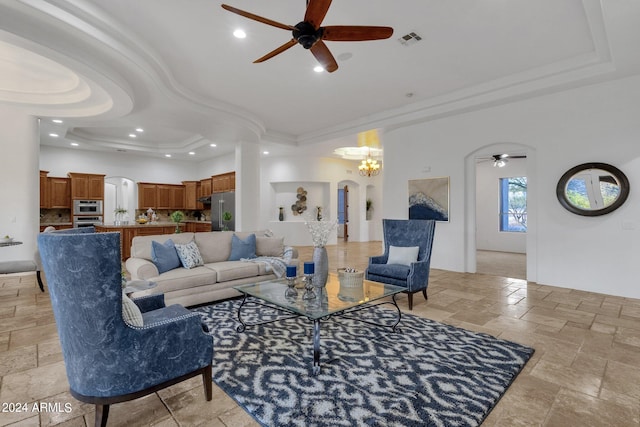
320	230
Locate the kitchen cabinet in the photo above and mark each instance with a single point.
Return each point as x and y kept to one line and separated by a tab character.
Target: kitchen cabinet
55	193
224	182
86	186
191	194
44	194
128	232
161	196
196	227
170	196
205	187
147	196
59	190
177	197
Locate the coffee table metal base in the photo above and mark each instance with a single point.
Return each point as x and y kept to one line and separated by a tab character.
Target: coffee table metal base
316	321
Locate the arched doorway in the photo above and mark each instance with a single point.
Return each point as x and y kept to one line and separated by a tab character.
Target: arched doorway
491	212
351	211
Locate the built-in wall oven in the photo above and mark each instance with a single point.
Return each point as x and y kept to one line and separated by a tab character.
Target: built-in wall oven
87	207
86	220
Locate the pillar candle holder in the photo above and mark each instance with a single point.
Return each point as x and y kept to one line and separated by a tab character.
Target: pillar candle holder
308	281
291	282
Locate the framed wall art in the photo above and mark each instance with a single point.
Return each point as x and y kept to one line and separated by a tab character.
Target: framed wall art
429	198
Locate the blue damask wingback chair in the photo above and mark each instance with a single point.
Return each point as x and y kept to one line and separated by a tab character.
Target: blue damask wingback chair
107	360
402	264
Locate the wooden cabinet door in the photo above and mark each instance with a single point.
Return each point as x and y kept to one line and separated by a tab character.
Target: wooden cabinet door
44	187
86	186
177	197
95	187
147	196
205	187
190	194
224	182
201	226
59	193
219	183
79	187
163	196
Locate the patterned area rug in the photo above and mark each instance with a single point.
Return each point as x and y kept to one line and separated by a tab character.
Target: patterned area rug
429	374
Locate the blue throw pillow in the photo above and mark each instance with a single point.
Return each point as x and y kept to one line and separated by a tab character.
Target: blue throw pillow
164	256
243	248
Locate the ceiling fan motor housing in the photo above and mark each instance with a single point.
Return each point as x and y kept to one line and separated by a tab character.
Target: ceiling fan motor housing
306	34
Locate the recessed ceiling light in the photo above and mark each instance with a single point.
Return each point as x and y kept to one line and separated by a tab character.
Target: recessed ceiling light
167	155
75	144
212	145
56	121
54	135
318	69
239	34
191	153
132	135
265	153
139	130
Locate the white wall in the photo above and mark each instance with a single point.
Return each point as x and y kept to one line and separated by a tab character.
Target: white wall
59	161
488	234
216	166
326	171
19	191
593	123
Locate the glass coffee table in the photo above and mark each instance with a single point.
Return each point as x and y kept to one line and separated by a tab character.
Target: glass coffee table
332	301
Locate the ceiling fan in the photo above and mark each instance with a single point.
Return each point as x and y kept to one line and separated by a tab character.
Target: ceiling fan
311	35
500	160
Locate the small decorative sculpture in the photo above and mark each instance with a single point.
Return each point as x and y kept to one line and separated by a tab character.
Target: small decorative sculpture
300	205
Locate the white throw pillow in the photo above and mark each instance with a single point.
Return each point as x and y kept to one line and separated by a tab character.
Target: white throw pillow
189	255
403	255
131	314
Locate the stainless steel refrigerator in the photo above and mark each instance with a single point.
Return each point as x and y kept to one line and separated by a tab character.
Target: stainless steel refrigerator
221	204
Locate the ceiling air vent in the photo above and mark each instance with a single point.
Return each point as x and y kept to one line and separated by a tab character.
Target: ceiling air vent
410	39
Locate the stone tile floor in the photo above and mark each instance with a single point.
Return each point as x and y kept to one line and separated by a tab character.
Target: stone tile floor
585	371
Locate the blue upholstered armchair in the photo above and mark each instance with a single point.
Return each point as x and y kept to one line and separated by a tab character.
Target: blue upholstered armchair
407	255
107	360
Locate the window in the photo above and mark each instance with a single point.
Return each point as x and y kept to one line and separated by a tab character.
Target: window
513	204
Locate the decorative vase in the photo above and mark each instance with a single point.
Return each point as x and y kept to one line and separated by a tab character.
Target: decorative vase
281	214
321	264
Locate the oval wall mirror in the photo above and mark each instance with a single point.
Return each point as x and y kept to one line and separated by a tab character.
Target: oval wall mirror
592	189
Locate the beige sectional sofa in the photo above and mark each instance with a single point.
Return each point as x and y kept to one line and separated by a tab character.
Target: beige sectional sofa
216	278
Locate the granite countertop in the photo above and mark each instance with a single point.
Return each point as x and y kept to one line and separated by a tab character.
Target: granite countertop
133	224
46	224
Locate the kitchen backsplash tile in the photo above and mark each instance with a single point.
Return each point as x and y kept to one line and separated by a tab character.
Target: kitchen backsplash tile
52	216
164	215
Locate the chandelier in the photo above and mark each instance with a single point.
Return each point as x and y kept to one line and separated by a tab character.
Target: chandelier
368	149
369	167
369	139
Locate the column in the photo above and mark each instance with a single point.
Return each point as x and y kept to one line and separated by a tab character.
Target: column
247	186
19	182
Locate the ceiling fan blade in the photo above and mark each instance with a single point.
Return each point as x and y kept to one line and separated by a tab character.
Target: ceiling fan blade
324	56
316	11
277	51
257	18
350	33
